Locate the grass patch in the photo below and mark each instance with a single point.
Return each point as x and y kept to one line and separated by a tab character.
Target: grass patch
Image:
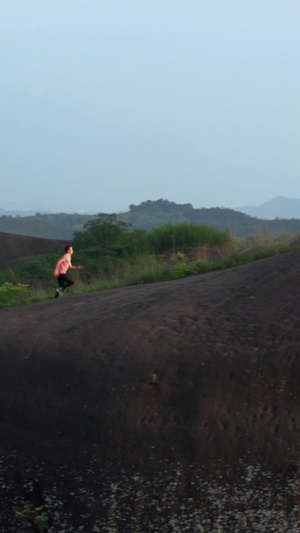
11	295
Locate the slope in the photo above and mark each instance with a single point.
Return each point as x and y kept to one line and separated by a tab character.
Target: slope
144	407
15	246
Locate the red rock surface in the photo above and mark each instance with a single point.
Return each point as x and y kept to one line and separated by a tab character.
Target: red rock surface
210	441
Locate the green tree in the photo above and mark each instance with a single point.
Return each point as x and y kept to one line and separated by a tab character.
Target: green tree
105	232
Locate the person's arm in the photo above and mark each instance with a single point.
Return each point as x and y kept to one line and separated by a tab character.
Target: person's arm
79	267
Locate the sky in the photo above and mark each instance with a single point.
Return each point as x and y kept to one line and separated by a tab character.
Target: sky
108	103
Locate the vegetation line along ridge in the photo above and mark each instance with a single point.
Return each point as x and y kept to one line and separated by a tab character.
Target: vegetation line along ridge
115	254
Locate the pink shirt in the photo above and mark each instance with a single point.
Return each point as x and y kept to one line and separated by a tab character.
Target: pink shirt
64	264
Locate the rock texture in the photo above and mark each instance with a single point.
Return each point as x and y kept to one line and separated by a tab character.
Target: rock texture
170	407
15	246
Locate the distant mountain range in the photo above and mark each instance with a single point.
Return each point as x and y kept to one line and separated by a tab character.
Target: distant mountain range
16	212
152	214
280	207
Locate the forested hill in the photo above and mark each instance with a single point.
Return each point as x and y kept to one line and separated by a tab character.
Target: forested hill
148	215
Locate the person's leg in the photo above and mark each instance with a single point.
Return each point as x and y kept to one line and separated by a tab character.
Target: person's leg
64	281
60	288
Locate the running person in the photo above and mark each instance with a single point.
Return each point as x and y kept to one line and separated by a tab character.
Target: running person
61	269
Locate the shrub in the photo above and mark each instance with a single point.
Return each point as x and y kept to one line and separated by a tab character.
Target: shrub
33	268
12	294
175	236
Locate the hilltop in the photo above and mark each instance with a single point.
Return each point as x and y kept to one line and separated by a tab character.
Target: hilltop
147	406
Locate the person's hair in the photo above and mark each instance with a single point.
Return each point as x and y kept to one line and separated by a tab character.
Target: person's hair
67	247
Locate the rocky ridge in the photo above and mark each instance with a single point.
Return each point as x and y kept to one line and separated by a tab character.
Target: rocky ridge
165	407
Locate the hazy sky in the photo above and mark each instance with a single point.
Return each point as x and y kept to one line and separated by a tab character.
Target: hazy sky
107	103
